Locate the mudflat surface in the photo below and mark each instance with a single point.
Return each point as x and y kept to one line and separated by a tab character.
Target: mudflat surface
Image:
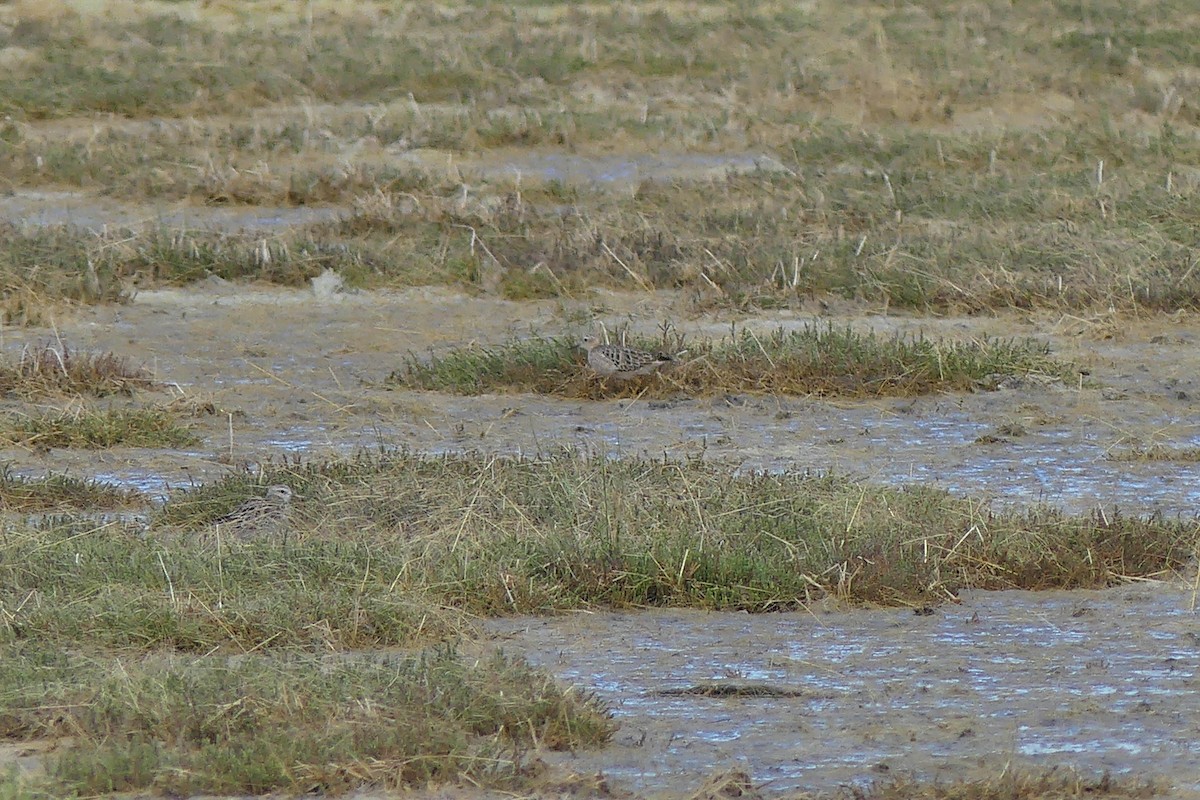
1095	680
302	372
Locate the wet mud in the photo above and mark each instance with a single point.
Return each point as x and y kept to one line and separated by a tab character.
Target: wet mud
1094	680
302	372
80	210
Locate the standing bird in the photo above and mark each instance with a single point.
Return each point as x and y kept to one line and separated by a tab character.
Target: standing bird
259	516
622	363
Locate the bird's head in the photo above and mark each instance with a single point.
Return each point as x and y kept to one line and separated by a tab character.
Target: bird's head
280	494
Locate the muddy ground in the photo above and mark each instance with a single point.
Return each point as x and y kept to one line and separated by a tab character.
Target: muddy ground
302	372
1099	680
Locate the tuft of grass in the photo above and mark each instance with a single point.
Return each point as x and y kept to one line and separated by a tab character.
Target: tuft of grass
1051	784
397	547
198	506
42	268
815	360
50	368
1156	452
57	492
295	723
15	786
94	428
546	365
119	258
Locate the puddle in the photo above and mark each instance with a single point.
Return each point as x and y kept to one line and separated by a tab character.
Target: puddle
153	486
1101	681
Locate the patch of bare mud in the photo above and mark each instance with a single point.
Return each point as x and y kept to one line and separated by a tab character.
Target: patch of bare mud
301	372
81	210
1100	681
596	171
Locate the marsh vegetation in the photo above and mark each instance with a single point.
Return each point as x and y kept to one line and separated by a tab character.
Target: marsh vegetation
925	158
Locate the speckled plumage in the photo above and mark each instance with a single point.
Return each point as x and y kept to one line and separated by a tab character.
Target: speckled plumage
259	515
619	362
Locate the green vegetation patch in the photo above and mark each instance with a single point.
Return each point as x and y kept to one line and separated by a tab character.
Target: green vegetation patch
174	65
97	428
819	360
255	724
886	63
57	492
395	548
41	266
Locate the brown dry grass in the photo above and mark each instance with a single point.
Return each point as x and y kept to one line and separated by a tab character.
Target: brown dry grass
57	493
57	368
84	426
958	156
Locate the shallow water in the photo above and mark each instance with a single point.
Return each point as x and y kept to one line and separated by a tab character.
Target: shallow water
1101	681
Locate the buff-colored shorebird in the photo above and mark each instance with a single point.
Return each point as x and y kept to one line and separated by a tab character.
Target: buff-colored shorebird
258	516
622	363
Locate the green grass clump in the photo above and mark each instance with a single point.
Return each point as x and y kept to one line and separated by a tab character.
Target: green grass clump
57	492
43	268
546	365
14	786
815	360
152	257
390	549
59	369
296	723
94	428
